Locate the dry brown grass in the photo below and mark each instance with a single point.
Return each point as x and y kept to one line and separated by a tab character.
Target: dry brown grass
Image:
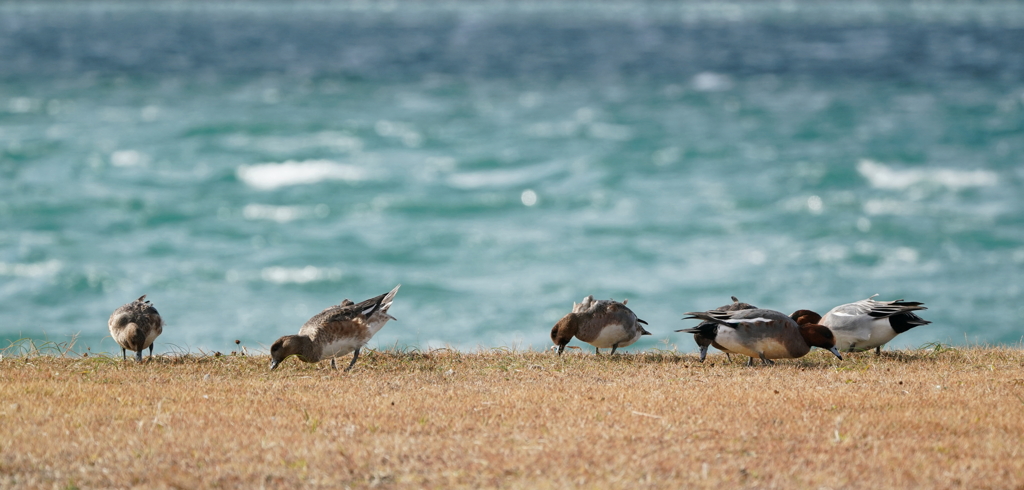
926	419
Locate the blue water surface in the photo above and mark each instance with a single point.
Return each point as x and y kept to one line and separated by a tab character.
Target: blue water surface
248	164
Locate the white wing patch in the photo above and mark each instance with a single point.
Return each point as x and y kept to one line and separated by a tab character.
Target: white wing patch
748	320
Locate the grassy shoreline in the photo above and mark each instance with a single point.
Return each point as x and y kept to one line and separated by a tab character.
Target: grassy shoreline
941	418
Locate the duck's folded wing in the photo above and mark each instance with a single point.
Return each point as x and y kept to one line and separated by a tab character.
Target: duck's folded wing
851	322
859	308
885	309
365	309
740	317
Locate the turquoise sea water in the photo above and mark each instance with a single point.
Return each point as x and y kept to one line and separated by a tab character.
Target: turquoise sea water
248	164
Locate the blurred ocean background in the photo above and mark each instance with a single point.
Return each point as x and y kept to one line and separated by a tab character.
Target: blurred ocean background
249	164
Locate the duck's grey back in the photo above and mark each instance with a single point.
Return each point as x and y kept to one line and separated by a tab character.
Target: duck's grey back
853	321
602	313
144	315
734	306
759	322
139	312
851	316
705	341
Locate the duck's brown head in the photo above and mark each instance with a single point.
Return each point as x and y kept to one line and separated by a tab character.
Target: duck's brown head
565	330
284	347
819	336
803	317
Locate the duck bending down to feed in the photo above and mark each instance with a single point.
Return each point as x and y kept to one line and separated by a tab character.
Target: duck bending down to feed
765	334
868	324
135	326
704	342
336	331
600	323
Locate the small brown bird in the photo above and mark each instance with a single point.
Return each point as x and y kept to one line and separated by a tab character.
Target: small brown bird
336	331
600	323
135	326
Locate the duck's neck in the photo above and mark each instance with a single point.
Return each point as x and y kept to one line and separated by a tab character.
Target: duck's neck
309	351
817	335
566	329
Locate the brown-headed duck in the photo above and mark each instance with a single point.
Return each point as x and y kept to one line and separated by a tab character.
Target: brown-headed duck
336	331
765	334
600	323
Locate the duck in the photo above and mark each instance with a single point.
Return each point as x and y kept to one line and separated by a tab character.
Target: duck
868	324
336	331
135	326
704	342
761	333
600	323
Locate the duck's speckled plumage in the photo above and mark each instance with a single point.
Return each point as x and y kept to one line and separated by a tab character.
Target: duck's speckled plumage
135	326
601	323
336	331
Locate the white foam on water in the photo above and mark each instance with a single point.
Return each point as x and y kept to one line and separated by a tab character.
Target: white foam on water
268	176
501	177
614	132
402	131
711	82
283	214
22	105
128	158
299	275
335	141
49	268
884	177
876	207
559	129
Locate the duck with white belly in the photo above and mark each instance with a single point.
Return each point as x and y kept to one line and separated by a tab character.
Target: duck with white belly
868	324
600	323
335	331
